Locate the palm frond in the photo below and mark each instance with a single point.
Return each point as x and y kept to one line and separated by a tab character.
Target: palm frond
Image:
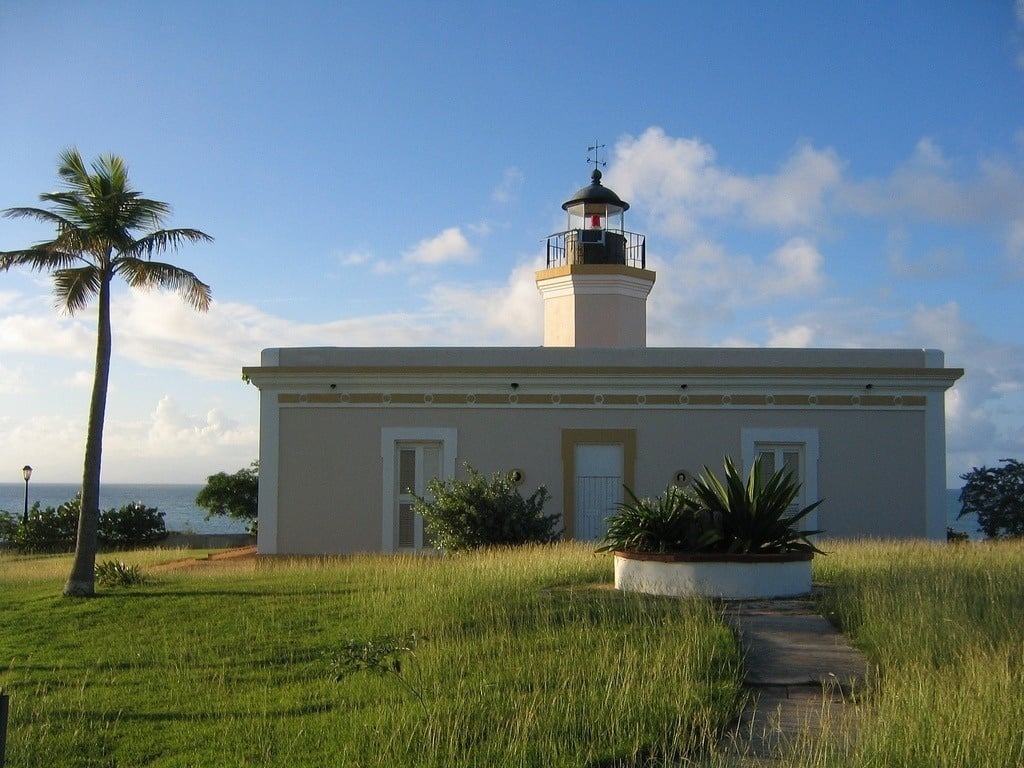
139	273
38	259
39	214
74	288
165	240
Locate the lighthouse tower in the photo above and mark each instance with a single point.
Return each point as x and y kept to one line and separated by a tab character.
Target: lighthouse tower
596	283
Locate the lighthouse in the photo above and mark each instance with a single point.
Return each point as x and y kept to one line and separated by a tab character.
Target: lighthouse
596	282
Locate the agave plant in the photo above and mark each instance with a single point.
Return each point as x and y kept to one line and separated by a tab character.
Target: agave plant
755	516
672	522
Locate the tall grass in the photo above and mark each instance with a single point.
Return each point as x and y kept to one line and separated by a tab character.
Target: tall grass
526	658
945	627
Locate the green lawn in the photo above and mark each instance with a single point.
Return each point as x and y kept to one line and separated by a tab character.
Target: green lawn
523	658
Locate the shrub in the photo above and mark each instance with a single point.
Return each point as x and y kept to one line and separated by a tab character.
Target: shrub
715	517
672	522
114	573
48	530
130	526
481	512
8	527
754	516
55	529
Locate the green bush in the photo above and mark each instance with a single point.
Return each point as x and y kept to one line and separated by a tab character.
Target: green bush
48	530
130	526
8	527
481	512
673	522
55	529
753	517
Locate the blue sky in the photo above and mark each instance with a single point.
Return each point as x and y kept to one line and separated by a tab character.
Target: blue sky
807	174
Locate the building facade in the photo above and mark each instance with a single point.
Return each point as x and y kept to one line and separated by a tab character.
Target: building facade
349	435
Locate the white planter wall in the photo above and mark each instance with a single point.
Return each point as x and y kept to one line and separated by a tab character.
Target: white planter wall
729	580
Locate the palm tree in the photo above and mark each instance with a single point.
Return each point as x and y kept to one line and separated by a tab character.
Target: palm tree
104	228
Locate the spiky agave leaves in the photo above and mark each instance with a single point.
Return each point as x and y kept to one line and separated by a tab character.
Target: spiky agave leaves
754	516
673	522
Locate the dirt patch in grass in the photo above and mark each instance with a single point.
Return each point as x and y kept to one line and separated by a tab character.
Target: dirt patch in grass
211	560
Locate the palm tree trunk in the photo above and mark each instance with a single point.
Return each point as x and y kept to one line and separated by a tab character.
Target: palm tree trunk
82	581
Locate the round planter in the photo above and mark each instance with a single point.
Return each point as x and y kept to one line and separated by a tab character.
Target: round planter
723	576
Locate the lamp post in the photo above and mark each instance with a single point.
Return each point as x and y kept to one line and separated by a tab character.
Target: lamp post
26	472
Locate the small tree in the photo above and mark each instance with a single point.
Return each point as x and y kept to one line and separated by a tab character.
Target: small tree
996	496
235	496
481	512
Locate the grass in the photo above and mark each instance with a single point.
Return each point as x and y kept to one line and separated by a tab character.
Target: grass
523	658
522	661
945	627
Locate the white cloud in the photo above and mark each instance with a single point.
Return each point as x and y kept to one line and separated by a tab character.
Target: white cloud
355	258
509	187
798	336
679	183
507	314
48	333
794	269
925	189
448	247
12	381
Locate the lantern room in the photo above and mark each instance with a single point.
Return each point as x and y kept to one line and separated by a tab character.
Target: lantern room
595	230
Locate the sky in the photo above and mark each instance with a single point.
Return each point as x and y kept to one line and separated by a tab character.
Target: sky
807	174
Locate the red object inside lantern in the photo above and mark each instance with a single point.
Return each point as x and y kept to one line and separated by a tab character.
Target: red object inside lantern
595	221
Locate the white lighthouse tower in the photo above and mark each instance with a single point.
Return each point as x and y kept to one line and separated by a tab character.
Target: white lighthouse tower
596	283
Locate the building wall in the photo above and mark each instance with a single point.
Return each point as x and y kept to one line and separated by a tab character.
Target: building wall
330	492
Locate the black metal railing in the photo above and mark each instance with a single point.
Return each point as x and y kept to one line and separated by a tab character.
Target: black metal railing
597	246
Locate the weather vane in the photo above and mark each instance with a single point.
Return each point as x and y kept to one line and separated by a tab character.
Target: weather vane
596	149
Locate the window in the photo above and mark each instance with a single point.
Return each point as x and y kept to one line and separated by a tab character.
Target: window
411	459
795	450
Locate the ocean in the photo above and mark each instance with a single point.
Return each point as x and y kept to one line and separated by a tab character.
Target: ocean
177	502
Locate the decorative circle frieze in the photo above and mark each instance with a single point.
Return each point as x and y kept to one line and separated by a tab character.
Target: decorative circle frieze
598	399
684	399
556	399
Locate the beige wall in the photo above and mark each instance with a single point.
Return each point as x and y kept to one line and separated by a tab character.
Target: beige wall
871	469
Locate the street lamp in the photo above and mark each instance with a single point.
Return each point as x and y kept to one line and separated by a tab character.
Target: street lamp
26	472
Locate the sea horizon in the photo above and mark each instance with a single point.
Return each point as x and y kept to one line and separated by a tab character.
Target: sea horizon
175	500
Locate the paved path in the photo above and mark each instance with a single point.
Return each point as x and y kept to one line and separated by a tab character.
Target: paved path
803	676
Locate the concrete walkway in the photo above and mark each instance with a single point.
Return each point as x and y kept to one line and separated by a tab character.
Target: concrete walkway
804	679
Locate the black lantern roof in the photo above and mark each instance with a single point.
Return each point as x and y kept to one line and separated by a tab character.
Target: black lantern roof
595	198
